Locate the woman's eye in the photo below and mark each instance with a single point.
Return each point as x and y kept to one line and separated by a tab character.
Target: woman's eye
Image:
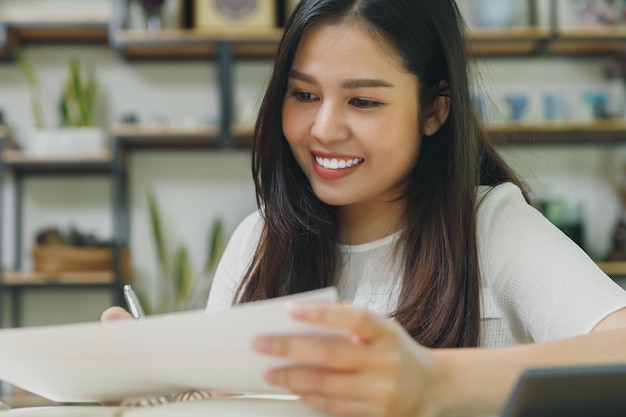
364	103
304	96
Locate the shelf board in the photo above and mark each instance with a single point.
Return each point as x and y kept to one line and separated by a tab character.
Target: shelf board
19	161
507	41
600	131
196	43
241	135
146	136
590	40
32	279
28	26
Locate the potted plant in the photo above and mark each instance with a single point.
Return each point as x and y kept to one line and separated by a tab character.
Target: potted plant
77	133
178	287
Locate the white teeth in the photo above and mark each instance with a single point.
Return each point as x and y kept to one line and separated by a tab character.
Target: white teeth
337	163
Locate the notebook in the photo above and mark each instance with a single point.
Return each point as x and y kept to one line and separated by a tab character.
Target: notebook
232	407
581	391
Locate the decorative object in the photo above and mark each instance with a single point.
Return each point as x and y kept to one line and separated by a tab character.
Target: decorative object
495	13
601	12
66	141
73	251
517	107
153	12
235	13
567	216
76	108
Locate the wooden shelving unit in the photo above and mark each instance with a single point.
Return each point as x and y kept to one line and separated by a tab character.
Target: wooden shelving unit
593	40
19	161
181	43
519	41
600	131
65	278
145	136
54	27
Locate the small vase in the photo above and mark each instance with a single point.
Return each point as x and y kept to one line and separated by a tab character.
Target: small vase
153	12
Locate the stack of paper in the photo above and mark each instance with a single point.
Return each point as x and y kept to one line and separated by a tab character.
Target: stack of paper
96	362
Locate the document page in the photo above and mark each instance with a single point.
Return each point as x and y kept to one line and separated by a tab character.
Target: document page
196	350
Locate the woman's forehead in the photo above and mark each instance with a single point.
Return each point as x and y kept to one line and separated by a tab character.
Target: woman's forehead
351	35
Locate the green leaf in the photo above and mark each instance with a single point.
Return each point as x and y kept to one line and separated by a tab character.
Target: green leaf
183	278
64	112
216	245
157	233
27	68
33	81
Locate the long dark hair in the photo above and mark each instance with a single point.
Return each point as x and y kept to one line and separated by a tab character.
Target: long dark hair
439	300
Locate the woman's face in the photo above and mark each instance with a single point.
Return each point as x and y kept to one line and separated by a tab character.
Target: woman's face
350	116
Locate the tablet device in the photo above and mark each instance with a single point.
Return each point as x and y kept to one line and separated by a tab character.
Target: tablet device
581	391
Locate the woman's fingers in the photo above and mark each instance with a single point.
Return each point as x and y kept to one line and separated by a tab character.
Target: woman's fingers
115	313
337	353
334	384
337	392
359	322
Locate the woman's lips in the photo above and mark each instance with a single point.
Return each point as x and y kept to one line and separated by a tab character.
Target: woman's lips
332	168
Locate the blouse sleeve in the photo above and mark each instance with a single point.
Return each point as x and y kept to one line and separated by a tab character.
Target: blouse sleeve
546	286
234	263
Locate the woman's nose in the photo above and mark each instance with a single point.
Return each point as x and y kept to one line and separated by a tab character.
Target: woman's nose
330	123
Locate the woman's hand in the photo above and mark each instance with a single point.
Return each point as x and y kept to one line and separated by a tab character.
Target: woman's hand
115	313
379	371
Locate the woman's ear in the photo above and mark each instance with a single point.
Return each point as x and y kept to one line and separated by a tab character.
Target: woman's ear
438	110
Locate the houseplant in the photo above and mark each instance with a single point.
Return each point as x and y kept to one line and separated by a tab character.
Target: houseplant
178	288
77	133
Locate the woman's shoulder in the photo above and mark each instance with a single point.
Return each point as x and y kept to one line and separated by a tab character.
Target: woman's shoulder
488	195
249	229
504	204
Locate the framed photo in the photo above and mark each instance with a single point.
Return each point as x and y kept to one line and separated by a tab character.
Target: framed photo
235	13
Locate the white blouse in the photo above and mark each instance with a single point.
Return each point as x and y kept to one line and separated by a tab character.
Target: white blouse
536	284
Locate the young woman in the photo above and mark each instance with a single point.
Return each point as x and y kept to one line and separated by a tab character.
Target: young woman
372	175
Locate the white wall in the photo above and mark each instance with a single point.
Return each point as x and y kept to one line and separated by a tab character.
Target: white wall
193	188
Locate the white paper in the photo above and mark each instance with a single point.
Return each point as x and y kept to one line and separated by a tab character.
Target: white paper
157	354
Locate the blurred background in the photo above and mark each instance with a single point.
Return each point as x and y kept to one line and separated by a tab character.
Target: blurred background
125	130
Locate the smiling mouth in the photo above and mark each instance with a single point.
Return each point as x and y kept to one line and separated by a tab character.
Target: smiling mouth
333	163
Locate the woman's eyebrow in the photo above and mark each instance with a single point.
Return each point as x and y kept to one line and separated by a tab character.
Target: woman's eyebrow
350	84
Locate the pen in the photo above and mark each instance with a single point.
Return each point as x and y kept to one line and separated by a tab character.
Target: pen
133	302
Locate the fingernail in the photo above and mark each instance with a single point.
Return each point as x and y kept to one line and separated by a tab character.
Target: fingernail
262	344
